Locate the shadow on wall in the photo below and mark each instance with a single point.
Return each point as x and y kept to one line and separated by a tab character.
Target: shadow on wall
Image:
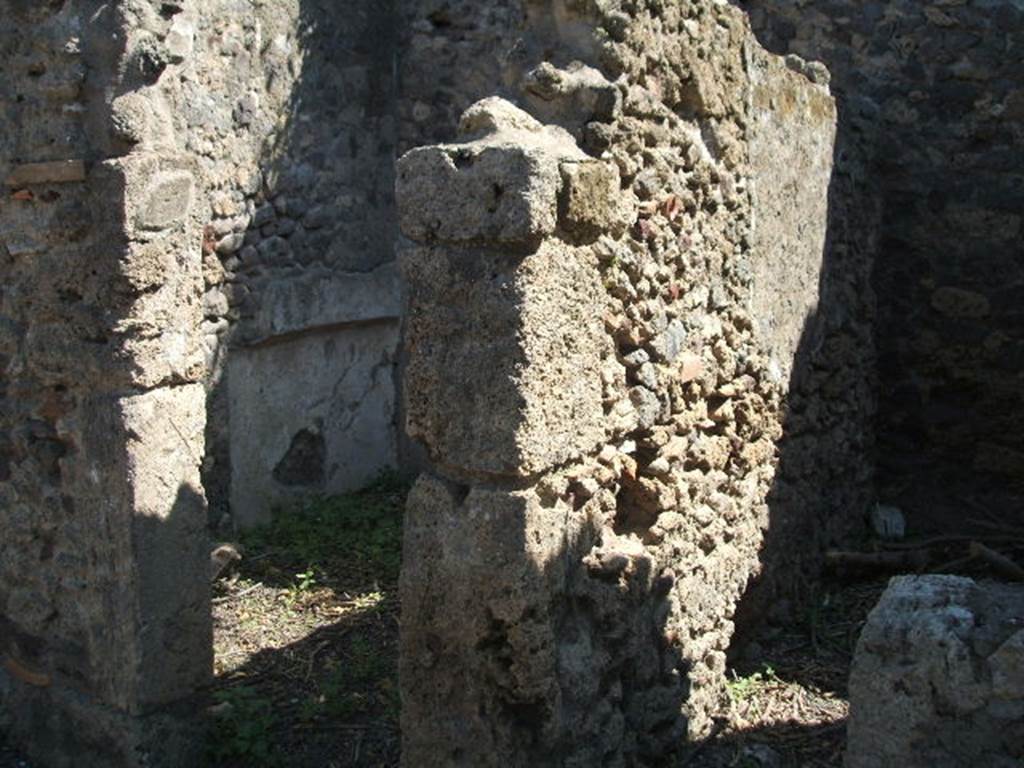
527	640
943	93
104	588
135	690
824	482
303	303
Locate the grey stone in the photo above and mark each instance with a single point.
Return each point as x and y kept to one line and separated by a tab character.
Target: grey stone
263	215
647	406
337	403
518	343
572	97
935	678
670	343
230	243
647	375
636	358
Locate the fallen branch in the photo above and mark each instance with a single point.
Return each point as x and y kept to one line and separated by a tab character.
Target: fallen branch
915	559
1001	564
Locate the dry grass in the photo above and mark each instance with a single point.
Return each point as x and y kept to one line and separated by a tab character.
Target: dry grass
788	693
305	638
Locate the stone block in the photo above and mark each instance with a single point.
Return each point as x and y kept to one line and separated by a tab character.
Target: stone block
479	583
172	633
157	192
503	375
135	478
320	301
327	426
166	200
937	676
501	187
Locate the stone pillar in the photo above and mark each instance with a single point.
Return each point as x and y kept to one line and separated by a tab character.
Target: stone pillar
503	386
104	573
600	405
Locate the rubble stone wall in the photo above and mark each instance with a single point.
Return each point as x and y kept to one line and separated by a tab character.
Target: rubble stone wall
935	87
639	349
288	108
624	370
104	570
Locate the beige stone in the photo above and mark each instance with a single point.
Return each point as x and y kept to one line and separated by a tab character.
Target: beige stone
503	376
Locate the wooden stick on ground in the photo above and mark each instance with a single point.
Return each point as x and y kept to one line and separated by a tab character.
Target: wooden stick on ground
1001	564
889	561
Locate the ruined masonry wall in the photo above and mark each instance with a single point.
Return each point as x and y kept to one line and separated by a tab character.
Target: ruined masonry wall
618	364
936	88
288	109
104	586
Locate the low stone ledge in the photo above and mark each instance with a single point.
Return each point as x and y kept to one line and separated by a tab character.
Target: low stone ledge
320	300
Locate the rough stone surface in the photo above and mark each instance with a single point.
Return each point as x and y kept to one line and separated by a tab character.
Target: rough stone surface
621	469
325	427
792	158
639	349
938	676
517	343
934	89
104	606
288	109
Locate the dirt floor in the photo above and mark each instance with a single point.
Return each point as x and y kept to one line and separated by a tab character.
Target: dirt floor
305	638
306	633
306	648
787	690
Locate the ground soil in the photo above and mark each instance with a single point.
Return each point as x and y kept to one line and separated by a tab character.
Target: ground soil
305	638
320	645
306	645
787	686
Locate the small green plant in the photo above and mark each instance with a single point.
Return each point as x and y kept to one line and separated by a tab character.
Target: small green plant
243	727
741	689
304	583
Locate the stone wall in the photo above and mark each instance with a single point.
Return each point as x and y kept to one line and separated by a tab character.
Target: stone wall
637	360
289	109
639	348
104	586
937	87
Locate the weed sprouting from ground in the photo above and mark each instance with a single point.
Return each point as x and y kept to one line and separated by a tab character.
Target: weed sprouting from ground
741	689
